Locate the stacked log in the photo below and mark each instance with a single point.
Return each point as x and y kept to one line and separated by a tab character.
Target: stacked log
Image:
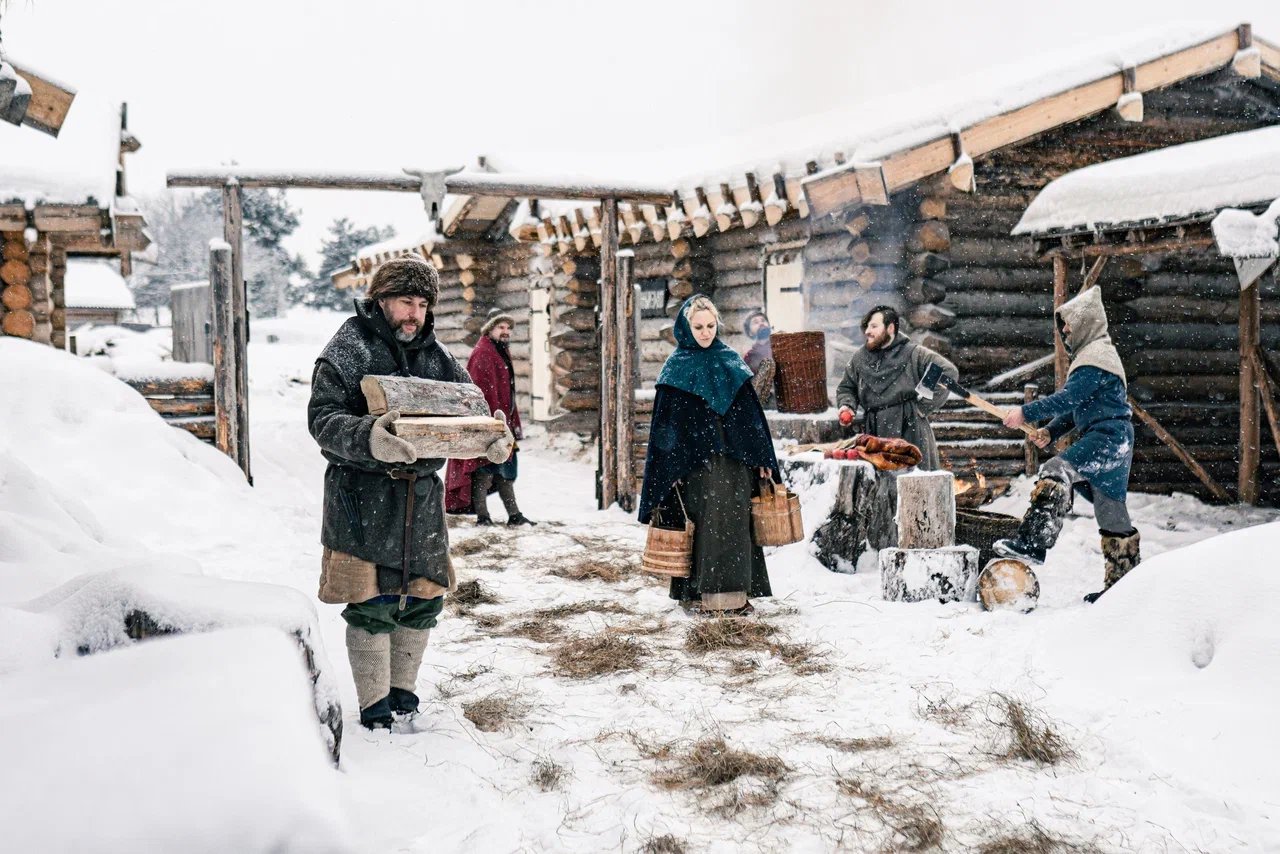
575	346
16	317
928	255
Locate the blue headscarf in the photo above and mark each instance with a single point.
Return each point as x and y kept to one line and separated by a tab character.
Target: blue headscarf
713	373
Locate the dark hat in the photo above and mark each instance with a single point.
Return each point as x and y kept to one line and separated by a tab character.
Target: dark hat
495	317
407	276
752	315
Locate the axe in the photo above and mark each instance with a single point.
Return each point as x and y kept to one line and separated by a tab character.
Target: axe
934	377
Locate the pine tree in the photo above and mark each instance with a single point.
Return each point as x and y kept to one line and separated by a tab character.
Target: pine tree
336	251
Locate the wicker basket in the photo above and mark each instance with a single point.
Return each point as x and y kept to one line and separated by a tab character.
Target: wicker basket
981	528
801	363
775	516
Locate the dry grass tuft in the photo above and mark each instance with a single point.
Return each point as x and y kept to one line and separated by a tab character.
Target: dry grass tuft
494	712
717	634
547	774
542	631
608	568
855	745
1034	839
803	658
468	595
478	542
1032	736
665	844
944	710
587	656
487	622
712	762
915	827
574	609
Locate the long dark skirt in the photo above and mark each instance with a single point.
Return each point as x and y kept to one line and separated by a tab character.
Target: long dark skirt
725	560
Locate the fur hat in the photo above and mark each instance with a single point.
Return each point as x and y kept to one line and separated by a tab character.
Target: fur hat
752	315
495	317
407	276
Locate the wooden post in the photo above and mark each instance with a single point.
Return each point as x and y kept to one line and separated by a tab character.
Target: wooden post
1179	451
1250	435
625	401
1265	391
927	510
1031	453
233	234
1060	361
608	465
226	436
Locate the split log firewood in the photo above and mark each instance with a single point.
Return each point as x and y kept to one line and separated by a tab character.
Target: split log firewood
451	437
420	397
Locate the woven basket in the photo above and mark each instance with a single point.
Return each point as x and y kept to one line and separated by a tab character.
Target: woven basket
981	528
669	552
775	516
801	379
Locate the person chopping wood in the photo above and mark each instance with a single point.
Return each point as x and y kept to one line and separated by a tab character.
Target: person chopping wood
469	482
1094	404
882	376
386	547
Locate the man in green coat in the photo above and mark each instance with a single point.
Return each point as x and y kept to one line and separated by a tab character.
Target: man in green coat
881	377
386	547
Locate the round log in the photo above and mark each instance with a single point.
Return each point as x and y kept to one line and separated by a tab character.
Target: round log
578	300
932	317
680	289
578	360
738	278
995	252
933	207
577	319
21	323
579	401
15	250
930	236
738	297
738	259
928	263
982	278
15	273
16	297
575	341
921	290
582	286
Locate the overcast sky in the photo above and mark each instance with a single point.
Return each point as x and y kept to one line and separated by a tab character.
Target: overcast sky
381	85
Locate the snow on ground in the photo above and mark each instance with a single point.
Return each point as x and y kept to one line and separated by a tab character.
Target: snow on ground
882	715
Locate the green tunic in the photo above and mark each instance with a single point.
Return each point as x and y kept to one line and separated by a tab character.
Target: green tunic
725	558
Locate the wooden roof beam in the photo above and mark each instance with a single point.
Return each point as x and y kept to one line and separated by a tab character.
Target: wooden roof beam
839	187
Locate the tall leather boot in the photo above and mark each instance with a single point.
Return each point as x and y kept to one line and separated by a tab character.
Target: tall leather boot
370	657
1041	524
1120	553
480	483
507	492
407	648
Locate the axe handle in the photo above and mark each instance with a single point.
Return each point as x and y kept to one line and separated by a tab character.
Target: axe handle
974	400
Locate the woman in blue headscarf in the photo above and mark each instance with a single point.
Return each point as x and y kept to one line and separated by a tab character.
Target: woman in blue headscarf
709	449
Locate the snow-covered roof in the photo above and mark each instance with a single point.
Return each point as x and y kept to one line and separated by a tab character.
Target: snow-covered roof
92	283
79	164
1182	181
1244	234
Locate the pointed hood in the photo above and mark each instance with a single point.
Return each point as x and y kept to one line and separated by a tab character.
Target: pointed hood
713	373
1089	341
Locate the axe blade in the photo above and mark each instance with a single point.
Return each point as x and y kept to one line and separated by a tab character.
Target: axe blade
929	382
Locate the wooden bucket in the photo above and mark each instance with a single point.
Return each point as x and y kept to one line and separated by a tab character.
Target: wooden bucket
981	528
800	360
775	516
669	551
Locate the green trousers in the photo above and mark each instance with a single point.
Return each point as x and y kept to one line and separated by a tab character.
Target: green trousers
382	614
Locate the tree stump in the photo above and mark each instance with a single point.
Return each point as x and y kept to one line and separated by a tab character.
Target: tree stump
947	574
926	510
861	517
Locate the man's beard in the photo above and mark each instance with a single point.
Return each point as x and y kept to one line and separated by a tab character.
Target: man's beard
404	337
879	342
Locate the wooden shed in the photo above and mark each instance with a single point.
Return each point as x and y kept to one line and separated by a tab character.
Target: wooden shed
62	197
95	292
916	212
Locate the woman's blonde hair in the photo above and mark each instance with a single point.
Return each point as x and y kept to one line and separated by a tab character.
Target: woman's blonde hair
701	303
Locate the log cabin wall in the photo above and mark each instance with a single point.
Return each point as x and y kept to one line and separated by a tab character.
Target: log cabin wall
575	347
1173	317
32	289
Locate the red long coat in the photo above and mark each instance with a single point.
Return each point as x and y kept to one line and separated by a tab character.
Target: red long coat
494	376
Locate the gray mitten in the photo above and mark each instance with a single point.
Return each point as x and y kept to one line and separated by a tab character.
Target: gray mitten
386	446
499	450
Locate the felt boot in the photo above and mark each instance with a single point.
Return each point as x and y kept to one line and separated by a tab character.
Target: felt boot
480	483
507	492
370	657
1041	524
407	648
1121	553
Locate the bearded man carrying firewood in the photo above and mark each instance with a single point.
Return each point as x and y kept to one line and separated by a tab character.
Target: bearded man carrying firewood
1094	403
386	547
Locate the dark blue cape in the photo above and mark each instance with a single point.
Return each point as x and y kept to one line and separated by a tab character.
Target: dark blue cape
685	432
713	373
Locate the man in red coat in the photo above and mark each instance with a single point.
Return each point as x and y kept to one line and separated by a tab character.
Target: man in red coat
470	481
